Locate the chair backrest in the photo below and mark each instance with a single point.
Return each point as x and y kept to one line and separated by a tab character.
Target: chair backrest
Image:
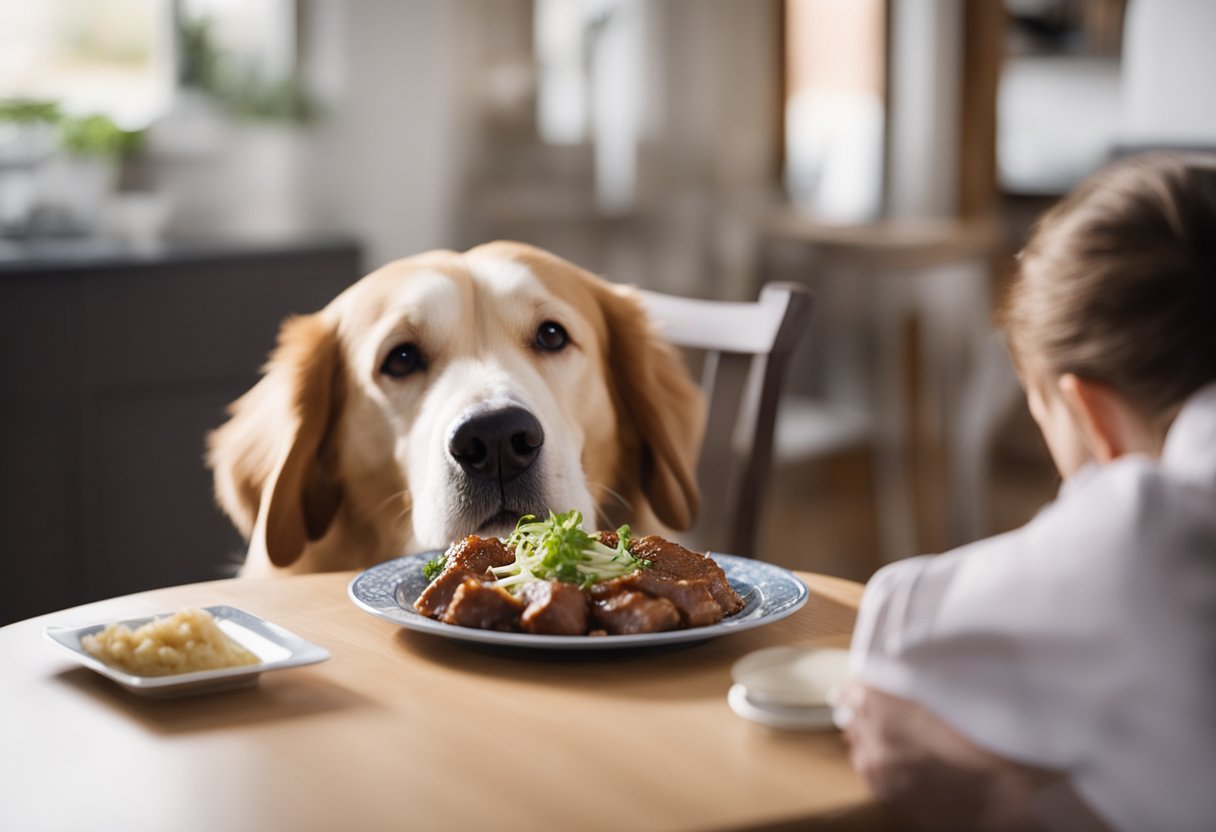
746	349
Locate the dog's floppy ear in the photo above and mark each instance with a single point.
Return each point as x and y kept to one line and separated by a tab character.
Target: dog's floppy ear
657	396
274	474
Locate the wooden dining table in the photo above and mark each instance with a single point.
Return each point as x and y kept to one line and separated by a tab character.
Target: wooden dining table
407	730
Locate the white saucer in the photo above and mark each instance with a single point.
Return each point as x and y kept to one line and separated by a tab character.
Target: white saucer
788	687
792	676
793	718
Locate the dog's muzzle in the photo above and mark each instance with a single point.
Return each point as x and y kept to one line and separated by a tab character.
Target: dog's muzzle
498	445
496	450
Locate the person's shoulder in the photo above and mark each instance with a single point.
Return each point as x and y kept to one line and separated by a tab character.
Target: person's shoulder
1123	511
1108	528
1093	532
1104	499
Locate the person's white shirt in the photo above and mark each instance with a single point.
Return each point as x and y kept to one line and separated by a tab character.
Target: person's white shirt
1084	641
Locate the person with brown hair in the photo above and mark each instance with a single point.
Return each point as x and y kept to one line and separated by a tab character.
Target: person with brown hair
1063	675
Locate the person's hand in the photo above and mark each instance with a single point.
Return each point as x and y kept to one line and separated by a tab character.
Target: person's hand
922	766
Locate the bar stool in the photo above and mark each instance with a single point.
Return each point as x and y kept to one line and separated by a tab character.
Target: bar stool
872	282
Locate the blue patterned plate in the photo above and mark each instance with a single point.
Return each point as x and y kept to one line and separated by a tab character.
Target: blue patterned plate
769	594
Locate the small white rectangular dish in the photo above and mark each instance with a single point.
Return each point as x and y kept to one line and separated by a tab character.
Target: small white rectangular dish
275	647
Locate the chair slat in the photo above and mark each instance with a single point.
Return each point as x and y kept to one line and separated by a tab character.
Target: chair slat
717	325
747	350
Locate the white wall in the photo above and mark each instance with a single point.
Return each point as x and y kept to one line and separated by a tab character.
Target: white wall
384	162
926	95
387	160
1169	66
403	87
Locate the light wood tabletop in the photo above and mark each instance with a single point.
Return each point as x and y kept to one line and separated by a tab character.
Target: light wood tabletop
407	730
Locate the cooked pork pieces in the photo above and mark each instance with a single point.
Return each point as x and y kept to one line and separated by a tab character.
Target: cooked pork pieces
553	608
470	558
679	589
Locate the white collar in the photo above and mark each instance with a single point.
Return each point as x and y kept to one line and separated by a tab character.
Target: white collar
1190	444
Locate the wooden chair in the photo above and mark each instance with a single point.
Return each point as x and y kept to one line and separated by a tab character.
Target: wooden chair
746	348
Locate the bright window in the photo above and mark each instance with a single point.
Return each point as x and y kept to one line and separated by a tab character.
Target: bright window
834	110
92	56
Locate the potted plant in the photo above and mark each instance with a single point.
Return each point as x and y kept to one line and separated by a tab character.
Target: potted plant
27	138
77	183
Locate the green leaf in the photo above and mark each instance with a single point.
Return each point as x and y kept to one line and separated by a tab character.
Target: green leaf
29	111
434	566
97	135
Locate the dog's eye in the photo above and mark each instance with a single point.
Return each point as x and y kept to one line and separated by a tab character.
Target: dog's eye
551	336
402	360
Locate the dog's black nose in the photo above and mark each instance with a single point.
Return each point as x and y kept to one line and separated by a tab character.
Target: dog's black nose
498	445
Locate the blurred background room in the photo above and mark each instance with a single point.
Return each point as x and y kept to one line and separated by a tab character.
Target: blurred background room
178	176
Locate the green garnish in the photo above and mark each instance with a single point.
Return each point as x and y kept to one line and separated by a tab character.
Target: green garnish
557	549
434	566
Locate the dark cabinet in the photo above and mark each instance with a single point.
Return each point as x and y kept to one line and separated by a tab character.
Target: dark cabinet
113	367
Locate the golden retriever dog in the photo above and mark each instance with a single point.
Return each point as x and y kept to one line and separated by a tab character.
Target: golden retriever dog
448	394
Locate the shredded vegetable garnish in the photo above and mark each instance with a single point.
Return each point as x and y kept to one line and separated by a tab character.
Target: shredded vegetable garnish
557	549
